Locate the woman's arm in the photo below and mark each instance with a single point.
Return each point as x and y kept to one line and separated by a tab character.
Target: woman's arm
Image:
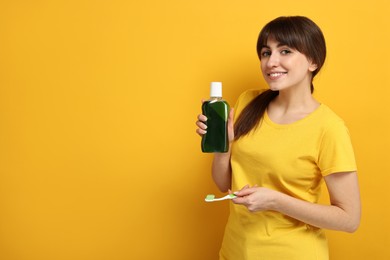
221	171
342	214
221	168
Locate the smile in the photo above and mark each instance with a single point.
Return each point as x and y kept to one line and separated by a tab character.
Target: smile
276	75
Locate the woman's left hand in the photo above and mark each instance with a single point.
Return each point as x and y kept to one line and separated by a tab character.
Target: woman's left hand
256	198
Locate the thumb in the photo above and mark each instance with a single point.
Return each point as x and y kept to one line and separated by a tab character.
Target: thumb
230	125
231	115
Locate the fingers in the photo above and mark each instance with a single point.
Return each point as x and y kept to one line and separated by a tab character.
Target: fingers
201	130
245	187
246	190
231	114
243	195
202	118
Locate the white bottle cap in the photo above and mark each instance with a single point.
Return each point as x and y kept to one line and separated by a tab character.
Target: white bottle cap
216	89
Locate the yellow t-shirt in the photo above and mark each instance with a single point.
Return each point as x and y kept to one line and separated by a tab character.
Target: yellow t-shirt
290	158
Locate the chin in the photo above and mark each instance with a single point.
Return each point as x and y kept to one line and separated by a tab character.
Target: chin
273	88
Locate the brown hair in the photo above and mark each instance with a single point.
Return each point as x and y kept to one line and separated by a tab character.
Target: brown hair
297	32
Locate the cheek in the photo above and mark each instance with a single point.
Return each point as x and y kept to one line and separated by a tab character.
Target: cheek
302	67
304	64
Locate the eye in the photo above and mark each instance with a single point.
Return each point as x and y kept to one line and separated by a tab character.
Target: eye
265	53
285	52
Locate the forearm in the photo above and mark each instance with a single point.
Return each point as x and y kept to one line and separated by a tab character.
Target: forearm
221	171
322	216
342	214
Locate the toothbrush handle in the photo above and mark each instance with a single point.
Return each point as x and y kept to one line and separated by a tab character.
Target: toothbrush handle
225	198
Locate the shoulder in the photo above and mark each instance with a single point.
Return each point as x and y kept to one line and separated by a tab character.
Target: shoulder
246	97
335	150
333	126
329	118
250	94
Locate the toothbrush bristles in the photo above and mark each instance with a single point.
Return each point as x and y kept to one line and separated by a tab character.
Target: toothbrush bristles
210	197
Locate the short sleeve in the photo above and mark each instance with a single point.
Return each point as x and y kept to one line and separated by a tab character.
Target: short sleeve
336	152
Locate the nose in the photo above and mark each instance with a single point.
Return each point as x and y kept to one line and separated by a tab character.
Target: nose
273	60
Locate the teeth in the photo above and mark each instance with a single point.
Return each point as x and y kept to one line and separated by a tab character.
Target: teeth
276	74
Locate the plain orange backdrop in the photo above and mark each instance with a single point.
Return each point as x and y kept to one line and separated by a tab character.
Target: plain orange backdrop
98	100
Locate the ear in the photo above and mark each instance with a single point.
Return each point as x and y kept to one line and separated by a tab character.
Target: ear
312	66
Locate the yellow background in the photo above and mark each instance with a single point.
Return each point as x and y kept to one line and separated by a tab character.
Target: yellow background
98	153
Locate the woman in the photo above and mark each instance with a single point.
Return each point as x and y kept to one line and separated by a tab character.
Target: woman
283	145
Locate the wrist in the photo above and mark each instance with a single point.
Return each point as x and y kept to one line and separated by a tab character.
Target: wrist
275	200
221	155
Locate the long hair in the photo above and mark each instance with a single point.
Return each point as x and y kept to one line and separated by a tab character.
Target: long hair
297	32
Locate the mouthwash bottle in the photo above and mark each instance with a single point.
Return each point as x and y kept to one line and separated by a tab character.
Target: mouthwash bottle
216	110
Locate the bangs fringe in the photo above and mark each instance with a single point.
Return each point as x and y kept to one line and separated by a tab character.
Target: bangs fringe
285	31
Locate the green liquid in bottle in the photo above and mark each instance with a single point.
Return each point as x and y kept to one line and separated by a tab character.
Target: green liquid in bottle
216	139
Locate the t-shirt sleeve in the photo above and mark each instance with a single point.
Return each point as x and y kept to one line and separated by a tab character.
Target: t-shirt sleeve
336	152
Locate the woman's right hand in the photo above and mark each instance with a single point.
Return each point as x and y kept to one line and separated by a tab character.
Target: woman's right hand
202	127
230	125
201	123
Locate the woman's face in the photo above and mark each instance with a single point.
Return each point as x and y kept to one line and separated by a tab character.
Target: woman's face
284	67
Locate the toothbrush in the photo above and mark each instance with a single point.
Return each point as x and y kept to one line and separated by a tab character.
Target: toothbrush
211	197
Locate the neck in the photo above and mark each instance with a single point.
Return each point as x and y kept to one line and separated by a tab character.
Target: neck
291	100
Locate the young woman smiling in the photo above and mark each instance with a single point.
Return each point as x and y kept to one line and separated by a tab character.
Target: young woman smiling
283	145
